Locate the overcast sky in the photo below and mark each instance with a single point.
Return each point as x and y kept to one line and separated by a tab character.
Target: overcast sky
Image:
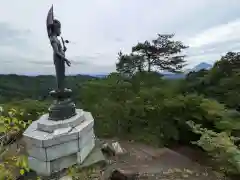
99	29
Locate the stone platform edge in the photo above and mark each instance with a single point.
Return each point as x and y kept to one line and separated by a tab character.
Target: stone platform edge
34	137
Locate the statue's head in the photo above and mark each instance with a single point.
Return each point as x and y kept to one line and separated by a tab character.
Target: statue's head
56	27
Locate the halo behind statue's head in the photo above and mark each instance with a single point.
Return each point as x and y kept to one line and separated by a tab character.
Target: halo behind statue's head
51	22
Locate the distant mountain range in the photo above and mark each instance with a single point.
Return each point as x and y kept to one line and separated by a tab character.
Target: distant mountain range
202	65
199	67
169	75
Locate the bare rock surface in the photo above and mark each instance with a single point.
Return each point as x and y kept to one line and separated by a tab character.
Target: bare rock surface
145	162
140	161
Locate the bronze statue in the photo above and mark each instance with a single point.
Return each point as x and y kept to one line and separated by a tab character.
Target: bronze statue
54	31
63	107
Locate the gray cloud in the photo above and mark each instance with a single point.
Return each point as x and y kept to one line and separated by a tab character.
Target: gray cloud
215	42
12	37
217	48
98	30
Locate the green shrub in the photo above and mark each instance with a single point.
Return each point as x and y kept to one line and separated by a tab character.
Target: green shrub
221	146
12	129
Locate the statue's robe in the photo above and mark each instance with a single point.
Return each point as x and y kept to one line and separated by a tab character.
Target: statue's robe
59	63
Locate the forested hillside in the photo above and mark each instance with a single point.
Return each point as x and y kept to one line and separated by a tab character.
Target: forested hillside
34	87
137	103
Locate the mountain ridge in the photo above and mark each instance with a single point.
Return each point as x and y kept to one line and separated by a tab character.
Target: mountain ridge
166	74
170	75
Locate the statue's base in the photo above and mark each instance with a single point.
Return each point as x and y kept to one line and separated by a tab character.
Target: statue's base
65	145
63	107
46	168
61	110
58	94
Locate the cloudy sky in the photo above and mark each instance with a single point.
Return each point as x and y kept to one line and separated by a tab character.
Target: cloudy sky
98	29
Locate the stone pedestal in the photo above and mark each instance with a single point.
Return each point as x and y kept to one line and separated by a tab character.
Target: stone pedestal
55	145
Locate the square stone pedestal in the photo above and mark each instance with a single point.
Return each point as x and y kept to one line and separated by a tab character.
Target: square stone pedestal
55	145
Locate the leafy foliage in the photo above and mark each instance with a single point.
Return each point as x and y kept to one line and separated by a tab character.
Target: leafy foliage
160	54
10	163
141	105
11	160
221	146
26	109
15	87
84	173
222	82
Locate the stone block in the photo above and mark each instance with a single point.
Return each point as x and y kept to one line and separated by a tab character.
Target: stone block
42	168
34	137
85	138
85	150
63	162
61	146
56	151
88	117
47	168
44	124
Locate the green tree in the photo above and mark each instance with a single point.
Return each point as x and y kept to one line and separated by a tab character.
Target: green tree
222	82
162	53
129	64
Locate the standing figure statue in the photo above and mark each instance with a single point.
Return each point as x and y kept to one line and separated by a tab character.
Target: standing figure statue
63	107
54	31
